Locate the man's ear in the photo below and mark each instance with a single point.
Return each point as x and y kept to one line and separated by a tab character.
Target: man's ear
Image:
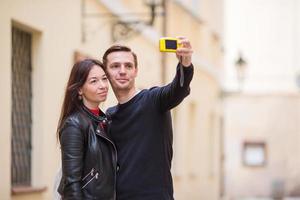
136	72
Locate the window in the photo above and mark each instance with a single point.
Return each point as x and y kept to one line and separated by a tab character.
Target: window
21	108
254	154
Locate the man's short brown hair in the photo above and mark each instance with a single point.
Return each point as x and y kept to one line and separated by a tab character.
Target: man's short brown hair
116	48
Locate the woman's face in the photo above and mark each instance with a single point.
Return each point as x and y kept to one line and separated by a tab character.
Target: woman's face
94	90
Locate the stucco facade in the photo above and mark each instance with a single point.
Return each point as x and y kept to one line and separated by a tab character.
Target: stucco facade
271	119
264	113
59	29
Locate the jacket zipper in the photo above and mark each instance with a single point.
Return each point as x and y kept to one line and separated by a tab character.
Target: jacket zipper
98	133
96	176
91	172
116	155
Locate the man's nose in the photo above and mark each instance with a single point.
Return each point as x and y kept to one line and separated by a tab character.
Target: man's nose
122	69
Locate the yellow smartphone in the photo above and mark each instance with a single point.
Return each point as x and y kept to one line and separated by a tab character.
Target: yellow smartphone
168	44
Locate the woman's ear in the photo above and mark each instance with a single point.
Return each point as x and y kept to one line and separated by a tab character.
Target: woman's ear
80	94
79	91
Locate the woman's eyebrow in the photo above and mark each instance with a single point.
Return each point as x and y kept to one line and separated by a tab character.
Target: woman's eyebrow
93	77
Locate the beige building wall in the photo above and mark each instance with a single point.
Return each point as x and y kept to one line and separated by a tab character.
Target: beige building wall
59	30
268	111
197	120
272	119
55	30
196	166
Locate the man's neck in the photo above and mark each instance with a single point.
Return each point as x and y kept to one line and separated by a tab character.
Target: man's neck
125	95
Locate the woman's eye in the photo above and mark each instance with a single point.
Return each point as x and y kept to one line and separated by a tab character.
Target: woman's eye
93	81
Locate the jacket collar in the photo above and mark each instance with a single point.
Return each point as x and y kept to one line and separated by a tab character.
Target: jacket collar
98	119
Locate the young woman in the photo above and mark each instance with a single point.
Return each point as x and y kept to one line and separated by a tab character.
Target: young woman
89	157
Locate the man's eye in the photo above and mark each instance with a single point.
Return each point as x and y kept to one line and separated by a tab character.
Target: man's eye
114	66
129	65
104	78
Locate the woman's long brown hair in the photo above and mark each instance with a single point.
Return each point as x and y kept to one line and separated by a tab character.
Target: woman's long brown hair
77	78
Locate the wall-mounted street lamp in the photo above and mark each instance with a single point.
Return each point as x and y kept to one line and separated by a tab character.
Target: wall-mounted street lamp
240	66
123	28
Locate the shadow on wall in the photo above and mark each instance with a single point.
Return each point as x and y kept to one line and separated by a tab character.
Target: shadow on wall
279	191
295	192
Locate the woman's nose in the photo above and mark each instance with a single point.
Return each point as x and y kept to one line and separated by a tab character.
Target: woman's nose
102	84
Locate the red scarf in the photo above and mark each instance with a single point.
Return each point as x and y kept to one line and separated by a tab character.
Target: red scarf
95	111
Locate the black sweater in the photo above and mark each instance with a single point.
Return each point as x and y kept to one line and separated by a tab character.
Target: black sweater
142	131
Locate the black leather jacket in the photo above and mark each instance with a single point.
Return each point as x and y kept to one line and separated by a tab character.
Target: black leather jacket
89	158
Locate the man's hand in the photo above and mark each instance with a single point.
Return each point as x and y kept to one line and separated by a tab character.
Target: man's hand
184	52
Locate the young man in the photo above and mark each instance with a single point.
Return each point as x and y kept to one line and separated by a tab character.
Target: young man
141	124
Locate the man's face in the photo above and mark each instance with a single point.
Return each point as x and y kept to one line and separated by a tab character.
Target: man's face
121	70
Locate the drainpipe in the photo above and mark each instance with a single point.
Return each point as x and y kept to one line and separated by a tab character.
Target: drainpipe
164	34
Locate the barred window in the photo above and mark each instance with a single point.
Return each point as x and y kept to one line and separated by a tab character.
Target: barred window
21	108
